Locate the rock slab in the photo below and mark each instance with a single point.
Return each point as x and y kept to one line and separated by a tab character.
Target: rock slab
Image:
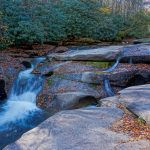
107	53
82	129
135	98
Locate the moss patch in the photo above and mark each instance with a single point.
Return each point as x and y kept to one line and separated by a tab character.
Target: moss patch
49	82
99	64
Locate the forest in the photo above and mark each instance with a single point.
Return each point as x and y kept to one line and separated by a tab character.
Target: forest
24	22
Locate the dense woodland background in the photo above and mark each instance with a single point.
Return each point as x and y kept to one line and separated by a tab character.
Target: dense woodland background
54	21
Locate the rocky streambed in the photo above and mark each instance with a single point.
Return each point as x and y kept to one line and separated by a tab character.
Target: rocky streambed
74	76
95	81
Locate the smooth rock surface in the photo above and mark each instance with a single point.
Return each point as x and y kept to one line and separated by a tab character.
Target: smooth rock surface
59	93
136	99
82	129
107	53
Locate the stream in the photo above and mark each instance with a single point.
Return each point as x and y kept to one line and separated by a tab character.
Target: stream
19	112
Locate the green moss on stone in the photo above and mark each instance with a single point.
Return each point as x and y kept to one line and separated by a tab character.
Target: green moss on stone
49	82
99	64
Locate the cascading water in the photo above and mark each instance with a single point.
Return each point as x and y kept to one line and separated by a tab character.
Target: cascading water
21	101
20	112
107	85
108	88
130	60
112	68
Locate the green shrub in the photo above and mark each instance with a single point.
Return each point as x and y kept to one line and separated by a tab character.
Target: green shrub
85	19
138	24
30	21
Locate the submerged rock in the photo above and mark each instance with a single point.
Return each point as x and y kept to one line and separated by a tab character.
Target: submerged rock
27	64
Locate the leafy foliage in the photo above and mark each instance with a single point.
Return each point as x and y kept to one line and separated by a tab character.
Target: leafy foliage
138	24
4	39
30	21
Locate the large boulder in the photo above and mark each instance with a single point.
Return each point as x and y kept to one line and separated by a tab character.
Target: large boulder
63	87
88	128
61	67
137	53
131	53
136	99
107	53
60	93
71	80
124	75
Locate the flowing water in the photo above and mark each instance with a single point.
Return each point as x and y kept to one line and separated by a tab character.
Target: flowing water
20	113
112	68
108	88
107	85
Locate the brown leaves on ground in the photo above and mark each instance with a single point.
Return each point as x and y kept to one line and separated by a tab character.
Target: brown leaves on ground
130	124
36	50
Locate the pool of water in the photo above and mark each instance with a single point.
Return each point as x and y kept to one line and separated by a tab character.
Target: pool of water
12	131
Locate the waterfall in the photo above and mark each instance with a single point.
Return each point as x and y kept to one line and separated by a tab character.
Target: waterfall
22	100
108	88
130	60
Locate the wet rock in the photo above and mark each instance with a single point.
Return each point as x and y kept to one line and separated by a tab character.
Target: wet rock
59	93
138	80
72	77
70	100
145	40
26	64
88	128
136	54
9	69
108	53
60	49
3	94
60	67
124	75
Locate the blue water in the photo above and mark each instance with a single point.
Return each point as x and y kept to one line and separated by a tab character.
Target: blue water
19	112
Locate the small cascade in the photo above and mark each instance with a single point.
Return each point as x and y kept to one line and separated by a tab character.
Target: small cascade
112	68
130	60
22	100
108	88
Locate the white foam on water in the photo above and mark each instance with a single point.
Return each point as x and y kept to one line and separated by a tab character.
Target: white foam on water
22	101
16	112
25	73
